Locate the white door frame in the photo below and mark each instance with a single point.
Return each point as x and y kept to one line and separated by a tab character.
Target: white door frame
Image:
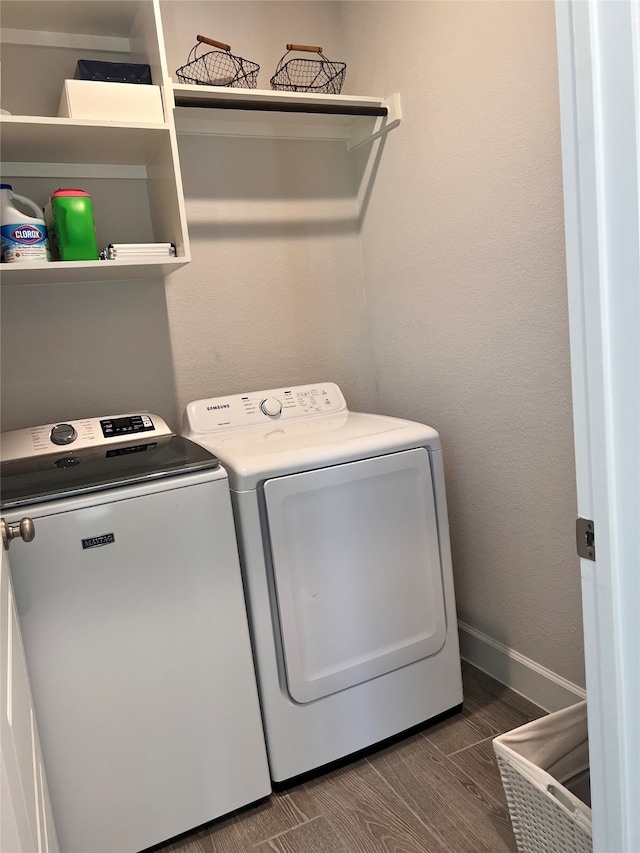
599	65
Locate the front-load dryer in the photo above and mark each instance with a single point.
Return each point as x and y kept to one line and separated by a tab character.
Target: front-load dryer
342	526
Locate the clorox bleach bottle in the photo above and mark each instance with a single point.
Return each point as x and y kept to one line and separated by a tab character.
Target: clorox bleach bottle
24	238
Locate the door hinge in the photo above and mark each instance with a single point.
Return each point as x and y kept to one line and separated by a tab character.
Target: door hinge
586	538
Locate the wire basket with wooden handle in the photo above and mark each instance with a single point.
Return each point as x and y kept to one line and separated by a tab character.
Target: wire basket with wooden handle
308	75
218	67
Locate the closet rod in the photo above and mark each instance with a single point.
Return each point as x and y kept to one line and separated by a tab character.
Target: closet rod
278	106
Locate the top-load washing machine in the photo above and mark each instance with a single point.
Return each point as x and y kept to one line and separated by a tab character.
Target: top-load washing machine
342	526
131	608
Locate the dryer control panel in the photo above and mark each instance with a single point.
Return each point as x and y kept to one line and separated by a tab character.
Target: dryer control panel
79	435
259	407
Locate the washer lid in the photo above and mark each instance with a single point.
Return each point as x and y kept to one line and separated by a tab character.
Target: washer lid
68	473
252	454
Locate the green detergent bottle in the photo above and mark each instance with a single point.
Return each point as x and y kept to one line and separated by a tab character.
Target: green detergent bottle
72	233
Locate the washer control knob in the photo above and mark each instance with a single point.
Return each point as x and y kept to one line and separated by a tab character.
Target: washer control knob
271	407
63	434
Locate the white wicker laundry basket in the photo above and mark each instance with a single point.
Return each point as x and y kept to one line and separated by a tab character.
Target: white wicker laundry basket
544	767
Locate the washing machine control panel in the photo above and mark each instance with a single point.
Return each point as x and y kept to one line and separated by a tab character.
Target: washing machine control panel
125	425
259	407
79	435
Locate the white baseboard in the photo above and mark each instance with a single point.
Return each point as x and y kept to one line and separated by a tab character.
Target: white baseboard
536	683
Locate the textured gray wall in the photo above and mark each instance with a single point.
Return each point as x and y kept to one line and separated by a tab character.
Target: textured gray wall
464	269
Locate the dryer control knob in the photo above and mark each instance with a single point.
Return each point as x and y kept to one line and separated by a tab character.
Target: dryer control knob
271	407
63	434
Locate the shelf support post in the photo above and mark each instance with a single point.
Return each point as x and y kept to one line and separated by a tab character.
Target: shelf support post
360	133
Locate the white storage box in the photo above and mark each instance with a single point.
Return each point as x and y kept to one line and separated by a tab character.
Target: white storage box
90	99
544	767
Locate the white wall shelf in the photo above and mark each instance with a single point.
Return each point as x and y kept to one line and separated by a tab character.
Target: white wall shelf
69	18
36	139
60	272
220	111
42	151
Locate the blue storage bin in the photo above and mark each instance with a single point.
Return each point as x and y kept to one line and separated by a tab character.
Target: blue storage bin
112	72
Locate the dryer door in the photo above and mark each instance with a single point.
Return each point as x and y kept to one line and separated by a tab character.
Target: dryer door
356	564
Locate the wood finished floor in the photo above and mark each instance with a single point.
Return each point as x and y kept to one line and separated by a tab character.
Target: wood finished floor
437	791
